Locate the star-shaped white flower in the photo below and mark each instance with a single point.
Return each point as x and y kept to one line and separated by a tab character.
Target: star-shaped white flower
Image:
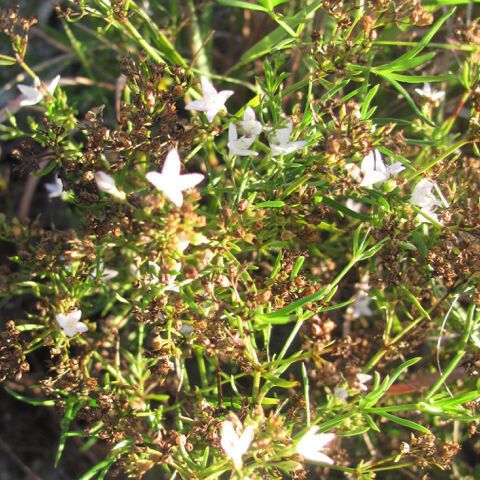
34	95
361	305
70	323
106	183
234	445
280	143
427	93
170	182
424	198
312	444
362	379
373	170
54	189
239	146
211	102
107	274
250	126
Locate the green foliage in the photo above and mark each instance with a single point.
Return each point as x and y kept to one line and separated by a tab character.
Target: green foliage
256	302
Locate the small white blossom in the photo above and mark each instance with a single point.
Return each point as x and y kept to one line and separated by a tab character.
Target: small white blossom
211	102
70	323
340	393
353	205
156	272
239	146
405	450
182	242
34	95
235	446
250	126
312	444
280	143
373	169
107	274
54	189
362	379
106	183
170	182
172	284
361	305
424	198
427	93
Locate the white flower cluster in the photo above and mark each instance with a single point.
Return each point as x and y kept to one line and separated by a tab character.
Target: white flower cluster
423	196
236	440
235	445
373	171
172	183
212	102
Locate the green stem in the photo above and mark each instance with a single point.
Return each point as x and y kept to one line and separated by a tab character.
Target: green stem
257	376
444	155
197	42
460	354
144	44
202	368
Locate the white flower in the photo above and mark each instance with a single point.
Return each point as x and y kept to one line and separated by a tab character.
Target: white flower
280	143
353	205
171	278
156	272
311	445
427	93
235	446
71	323
362	379
340	393
182	242
239	146
172	284
405	450
424	198
250	126
373	170
170	182
54	189
106	183
107	273
361	305
34	95
211	102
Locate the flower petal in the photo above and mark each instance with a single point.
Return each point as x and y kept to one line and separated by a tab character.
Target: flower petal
174	195
157	180
52	84
207	87
172	165
189	180
199	105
